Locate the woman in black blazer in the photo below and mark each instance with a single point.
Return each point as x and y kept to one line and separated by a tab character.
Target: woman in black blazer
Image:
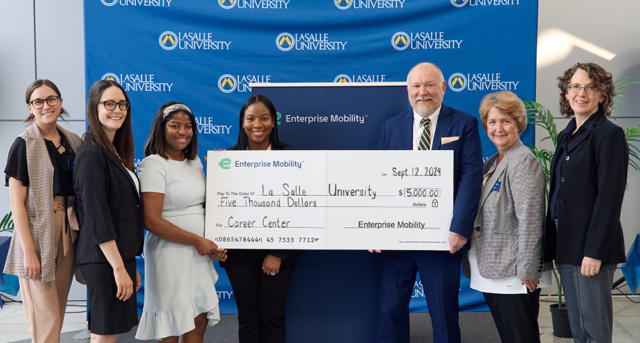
588	178
110	212
260	278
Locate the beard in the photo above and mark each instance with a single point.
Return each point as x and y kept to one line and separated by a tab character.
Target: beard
425	111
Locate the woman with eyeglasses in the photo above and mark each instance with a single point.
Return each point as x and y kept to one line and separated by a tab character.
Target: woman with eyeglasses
180	298
110	212
40	179
583	232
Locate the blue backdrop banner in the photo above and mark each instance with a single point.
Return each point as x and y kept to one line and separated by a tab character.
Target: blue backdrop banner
206	53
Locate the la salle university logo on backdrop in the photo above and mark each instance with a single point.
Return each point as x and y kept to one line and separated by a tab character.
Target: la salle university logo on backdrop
481	82
400	41
132	82
227	83
375	4
168	40
285	41
111	77
317	41
227	4
459	3
343	4
258	4
342	78
424	41
475	3
143	3
457	82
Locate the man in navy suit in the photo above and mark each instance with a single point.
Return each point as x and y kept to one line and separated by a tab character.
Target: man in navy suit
439	270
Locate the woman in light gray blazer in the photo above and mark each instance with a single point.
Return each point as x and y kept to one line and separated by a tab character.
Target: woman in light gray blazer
506	245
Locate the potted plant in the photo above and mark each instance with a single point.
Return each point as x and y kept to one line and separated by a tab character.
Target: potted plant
542	117
6	225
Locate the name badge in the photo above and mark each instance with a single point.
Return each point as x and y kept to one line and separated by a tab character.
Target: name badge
496	187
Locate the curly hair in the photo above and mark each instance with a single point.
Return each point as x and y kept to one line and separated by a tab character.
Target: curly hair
507	103
600	78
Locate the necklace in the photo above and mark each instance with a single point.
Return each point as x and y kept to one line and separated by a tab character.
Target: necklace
115	150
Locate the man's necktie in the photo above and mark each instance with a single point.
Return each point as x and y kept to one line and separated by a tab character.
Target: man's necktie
425	140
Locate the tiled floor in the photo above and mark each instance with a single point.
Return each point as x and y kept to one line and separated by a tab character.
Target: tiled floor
626	321
14	328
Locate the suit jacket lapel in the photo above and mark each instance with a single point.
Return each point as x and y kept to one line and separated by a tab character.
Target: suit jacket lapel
407	134
444	120
500	169
115	160
488	187
584	135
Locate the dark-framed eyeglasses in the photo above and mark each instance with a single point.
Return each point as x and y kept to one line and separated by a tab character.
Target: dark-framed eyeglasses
110	105
39	103
575	89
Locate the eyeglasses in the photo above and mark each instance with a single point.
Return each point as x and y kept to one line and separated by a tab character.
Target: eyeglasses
110	105
575	89
39	103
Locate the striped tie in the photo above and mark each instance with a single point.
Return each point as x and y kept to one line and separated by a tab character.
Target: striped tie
425	140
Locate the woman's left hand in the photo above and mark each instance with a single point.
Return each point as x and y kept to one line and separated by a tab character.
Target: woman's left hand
219	255
590	266
271	265
531	284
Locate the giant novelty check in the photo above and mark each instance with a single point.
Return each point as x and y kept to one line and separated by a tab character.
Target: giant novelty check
390	200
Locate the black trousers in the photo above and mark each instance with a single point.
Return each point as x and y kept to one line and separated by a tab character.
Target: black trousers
261	298
516	316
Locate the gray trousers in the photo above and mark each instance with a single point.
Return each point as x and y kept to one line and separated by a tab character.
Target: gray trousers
589	303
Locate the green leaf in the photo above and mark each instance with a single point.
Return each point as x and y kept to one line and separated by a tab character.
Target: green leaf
7	223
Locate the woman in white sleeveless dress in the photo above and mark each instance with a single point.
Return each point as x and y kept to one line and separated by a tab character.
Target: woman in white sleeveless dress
180	299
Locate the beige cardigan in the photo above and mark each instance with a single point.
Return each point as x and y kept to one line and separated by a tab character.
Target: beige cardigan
39	204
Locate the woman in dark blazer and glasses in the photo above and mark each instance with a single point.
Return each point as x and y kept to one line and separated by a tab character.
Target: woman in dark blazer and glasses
110	211
588	177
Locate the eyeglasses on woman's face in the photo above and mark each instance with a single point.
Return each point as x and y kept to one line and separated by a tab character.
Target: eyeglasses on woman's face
110	105
39	103
589	89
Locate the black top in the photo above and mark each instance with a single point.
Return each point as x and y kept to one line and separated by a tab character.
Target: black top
62	165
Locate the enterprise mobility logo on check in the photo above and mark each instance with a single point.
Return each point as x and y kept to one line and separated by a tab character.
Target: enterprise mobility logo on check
226	163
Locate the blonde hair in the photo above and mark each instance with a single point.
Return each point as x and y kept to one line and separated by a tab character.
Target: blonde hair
507	103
